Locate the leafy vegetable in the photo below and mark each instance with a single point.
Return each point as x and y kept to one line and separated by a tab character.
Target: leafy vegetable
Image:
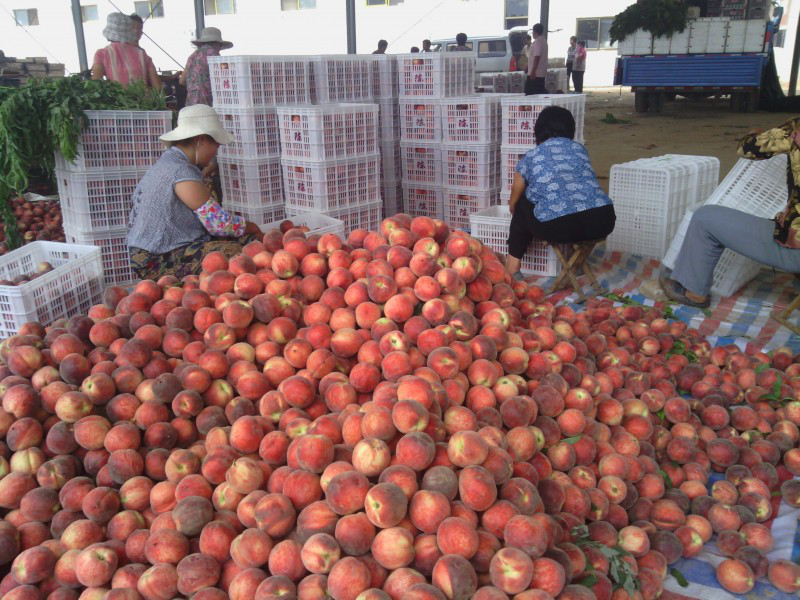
659	17
46	115
680	348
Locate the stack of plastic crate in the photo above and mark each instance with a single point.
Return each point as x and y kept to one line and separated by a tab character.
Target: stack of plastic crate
470	156
95	190
651	196
341	78
331	163
519	114
425	81
247	91
385	93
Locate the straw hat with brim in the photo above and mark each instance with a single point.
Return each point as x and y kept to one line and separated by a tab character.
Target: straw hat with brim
119	28
212	35
197	120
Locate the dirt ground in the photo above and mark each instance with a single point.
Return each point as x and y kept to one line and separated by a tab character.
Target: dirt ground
706	128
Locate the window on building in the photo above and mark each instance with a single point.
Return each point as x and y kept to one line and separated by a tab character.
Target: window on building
595	32
89	13
26	17
220	7
298	4
149	9
491	48
516	13
384	2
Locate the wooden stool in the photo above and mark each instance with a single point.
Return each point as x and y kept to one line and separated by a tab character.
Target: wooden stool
783	316
571	267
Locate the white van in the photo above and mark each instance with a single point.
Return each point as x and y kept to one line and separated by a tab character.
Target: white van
495	52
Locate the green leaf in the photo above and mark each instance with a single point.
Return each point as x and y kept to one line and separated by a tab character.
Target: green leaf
761	368
662	415
667	480
589	581
679	577
572	440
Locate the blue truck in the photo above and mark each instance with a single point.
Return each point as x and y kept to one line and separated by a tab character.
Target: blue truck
656	78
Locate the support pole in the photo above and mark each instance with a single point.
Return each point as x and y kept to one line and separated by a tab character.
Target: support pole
795	61
544	15
351	26
77	20
199	16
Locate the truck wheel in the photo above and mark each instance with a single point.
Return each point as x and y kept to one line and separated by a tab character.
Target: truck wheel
752	101
641	101
656	102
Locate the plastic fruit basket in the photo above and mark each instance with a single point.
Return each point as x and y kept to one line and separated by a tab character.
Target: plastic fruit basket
490	226
423	200
260	81
367	217
317	224
436	74
73	286
114	253
388	120
509	158
757	187
119	139
519	114
341	78
384	76
328	132
391	163
332	184
392	198
260	215
472	119
255	132
422	163
96	201
460	204
474	166
421	120
251	183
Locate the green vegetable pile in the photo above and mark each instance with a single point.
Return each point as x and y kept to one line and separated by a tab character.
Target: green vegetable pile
662	18
46	115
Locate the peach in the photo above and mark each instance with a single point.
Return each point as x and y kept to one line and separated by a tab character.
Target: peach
511	570
735	576
785	575
455	577
348	579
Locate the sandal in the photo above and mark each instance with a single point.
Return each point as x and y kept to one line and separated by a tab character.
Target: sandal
677	293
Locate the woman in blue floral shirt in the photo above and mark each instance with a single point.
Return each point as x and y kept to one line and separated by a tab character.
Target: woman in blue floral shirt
563	201
196	76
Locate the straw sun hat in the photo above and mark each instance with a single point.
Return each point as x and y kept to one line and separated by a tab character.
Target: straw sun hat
119	28
212	35
197	120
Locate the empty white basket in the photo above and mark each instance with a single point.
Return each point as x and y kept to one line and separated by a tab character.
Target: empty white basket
651	196
341	78
317	224
490	227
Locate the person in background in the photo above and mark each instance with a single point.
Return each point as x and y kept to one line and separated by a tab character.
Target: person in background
382	45
524	56
579	67
122	60
573	48
138	27
773	242
537	63
175	222
414	50
528	41
196	76
461	43
426	45
555	195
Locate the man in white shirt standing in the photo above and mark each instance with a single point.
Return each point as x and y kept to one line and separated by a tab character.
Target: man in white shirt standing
537	63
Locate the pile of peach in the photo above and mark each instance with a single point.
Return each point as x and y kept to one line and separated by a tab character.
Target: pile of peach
382	417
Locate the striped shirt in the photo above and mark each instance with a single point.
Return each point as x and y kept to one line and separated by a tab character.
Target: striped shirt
123	62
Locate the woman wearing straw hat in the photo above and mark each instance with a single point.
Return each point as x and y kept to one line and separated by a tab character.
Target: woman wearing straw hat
175	221
196	77
122	60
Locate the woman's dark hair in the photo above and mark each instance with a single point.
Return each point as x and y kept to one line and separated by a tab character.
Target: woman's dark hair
137	18
554	122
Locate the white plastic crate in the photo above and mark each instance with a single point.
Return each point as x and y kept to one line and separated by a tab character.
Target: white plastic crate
391	163
331	185
73	286
472	166
650	198
392	193
460	204
341	78
423	200
94	201
520	113
490	227
422	163
260	81
255	132
732	271
512	82
509	158
436	74
328	132
421	120
114	253
757	187
505	197
261	215
388	120
556	81
317	224
367	217
472	119
384	76
249	183
119	139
